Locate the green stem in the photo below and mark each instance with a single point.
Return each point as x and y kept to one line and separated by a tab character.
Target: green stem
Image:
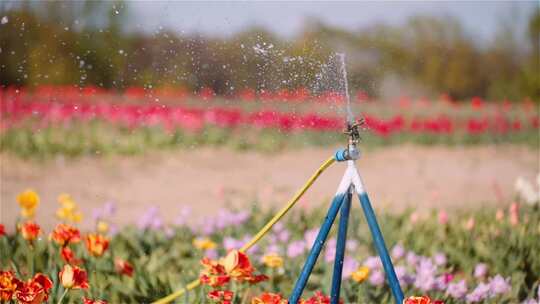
63	295
30	259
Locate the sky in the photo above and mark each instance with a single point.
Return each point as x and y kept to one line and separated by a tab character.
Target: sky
286	18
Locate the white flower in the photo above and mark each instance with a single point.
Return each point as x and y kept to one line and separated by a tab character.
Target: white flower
526	191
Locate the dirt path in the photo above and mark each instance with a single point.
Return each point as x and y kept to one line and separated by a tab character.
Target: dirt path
396	178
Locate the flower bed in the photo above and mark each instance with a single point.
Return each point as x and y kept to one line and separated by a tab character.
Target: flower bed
488	256
77	122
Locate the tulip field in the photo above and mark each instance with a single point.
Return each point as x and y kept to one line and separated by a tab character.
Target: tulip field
74	121
488	256
441	255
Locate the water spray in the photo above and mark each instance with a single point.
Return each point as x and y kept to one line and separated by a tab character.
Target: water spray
352	129
350	184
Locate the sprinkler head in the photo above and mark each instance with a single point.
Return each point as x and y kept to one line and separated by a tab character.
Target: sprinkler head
353	133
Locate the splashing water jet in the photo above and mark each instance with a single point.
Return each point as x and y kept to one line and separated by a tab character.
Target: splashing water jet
350	116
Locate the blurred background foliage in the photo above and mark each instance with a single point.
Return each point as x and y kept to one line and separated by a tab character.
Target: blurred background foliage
85	43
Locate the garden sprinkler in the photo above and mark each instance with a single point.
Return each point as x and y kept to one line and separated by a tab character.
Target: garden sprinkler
350	183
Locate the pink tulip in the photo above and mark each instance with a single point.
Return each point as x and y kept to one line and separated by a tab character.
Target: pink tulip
443	217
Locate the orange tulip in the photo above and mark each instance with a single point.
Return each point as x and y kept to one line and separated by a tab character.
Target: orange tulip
8	285
64	235
221	296
96	244
237	264
421	300
68	256
30	231
214	280
123	267
35	291
318	298
269	298
73	277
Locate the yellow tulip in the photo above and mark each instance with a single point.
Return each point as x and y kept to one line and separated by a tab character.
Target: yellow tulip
29	201
102	227
204	243
361	274
272	260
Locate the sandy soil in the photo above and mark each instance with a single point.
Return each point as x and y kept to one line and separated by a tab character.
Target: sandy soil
396	178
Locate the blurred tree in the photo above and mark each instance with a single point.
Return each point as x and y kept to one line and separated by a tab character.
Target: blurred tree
84	43
531	78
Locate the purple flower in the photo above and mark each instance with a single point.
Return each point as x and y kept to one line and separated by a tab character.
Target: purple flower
106	211
349	266
404	278
480	270
240	217
425	275
113	229
273	249
372	262
182	217
283	236
96	214
480	293
440	259
376	278
211	254
278	227
398	252
411	258
230	243
499	285
530	301
296	248
109	209
150	220
441	282
330	252
310	236
457	290
157	223
226	218
207	227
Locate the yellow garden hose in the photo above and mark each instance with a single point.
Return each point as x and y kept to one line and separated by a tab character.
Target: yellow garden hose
262	232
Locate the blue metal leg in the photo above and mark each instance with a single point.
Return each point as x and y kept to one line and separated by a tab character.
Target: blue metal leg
340	249
316	249
381	248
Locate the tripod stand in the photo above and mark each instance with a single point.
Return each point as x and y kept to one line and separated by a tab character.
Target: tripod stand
350	184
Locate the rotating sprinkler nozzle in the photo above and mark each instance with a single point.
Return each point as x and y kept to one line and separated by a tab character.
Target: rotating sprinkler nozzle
353	133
